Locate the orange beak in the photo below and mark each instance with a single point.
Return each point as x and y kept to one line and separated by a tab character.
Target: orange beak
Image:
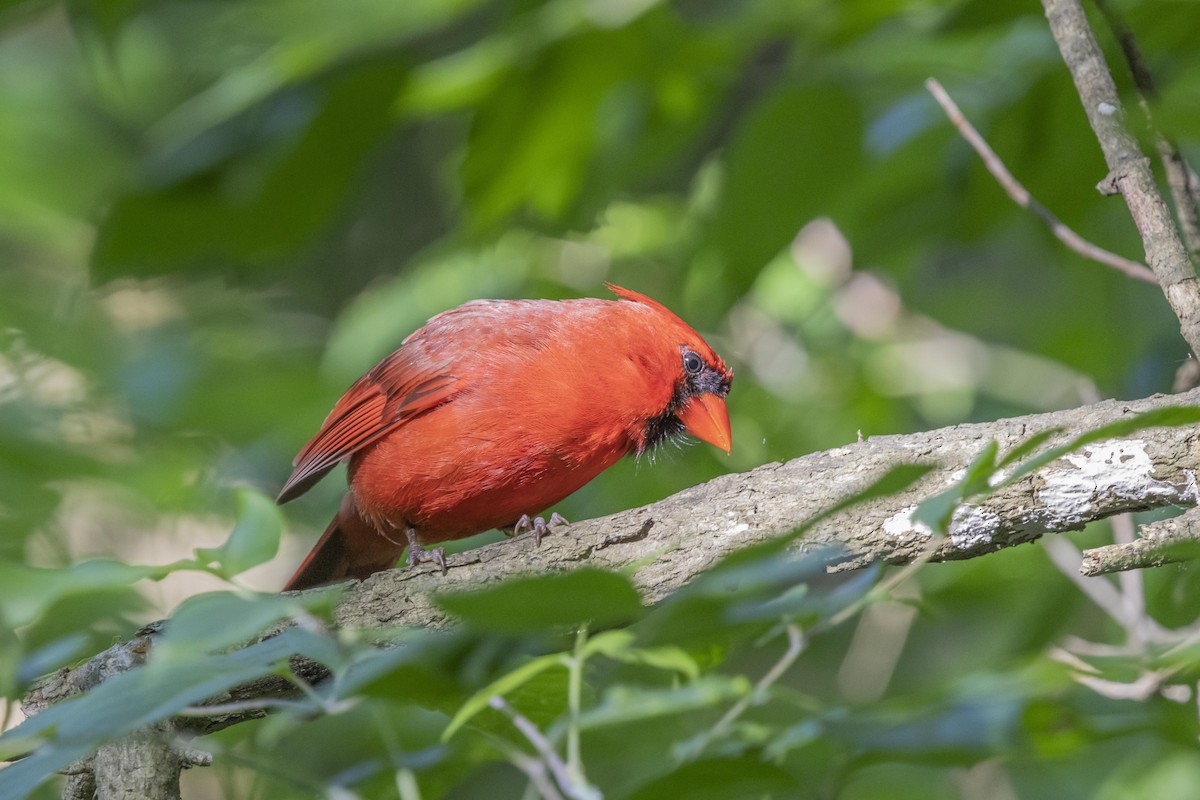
706	417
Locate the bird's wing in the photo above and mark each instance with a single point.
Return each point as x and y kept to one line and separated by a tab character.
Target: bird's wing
430	368
426	372
404	385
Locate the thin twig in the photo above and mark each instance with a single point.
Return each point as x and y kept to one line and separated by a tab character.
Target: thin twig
1064	555
1146	685
549	756
241	706
1139	627
1024	199
1133	591
535	770
796	643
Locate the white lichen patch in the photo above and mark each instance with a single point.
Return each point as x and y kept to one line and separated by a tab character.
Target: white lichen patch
970	527
1115	468
1071	490
901	525
973	527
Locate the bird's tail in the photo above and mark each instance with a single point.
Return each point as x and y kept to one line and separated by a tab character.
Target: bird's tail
349	548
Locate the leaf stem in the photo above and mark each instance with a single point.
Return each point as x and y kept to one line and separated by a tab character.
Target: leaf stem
574	702
796	642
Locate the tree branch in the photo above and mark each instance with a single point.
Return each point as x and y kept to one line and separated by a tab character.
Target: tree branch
667	543
1168	541
144	764
1129	170
674	539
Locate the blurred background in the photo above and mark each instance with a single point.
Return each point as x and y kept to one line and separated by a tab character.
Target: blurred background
215	216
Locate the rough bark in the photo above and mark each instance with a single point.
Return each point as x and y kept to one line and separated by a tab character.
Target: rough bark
141	766
1167	541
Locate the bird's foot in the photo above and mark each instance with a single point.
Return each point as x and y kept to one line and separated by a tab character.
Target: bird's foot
419	555
538	525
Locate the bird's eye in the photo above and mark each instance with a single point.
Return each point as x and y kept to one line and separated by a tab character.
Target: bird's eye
692	362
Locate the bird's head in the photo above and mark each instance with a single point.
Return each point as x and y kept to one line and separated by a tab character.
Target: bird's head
700	381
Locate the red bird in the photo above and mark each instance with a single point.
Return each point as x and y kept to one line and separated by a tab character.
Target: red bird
497	410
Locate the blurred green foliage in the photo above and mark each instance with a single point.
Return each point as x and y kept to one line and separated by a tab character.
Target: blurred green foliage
215	216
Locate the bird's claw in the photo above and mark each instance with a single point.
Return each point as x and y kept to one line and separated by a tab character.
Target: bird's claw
419	555
538	525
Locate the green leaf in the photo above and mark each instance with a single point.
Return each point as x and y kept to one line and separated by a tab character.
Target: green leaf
211	622
303	172
609	643
1028	446
937	511
532	127
721	779
254	539
625	703
45	659
480	700
759	212
412	670
801	734
618	645
28	591
667	657
542	700
536	603
981	469
131	700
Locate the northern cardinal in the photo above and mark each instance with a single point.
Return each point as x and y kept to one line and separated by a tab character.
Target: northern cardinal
497	410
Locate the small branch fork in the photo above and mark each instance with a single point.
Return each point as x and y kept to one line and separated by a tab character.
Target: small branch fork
1129	170
1024	199
1182	180
548	764
1124	602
